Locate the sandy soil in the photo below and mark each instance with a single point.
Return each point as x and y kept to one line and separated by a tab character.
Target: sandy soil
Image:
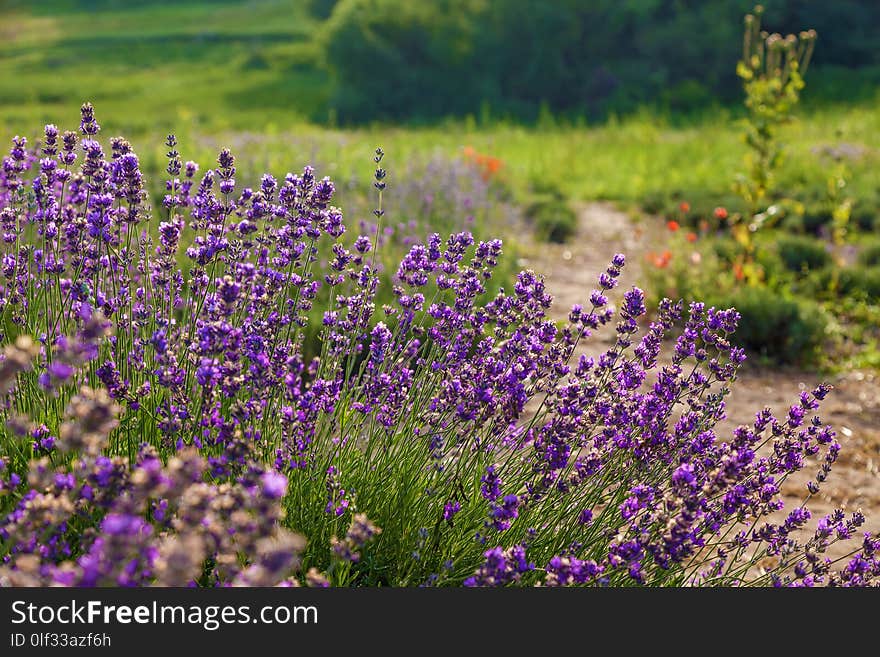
853	407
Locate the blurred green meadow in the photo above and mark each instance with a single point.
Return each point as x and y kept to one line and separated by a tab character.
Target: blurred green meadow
254	76
247	73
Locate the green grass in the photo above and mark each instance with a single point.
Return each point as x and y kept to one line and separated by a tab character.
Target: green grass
629	161
246	74
153	67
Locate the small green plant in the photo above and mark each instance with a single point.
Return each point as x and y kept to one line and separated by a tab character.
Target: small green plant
772	70
776	327
321	8
870	254
860	282
841	205
548	210
864	213
799	252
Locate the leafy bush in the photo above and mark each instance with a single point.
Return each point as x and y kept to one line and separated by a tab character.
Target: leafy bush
782	329
858	282
869	255
816	218
726	249
321	8
772	69
864	213
653	202
553	218
393	59
167	428
854	280
397	59
800	252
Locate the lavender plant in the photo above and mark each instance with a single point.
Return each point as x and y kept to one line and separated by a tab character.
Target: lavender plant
162	423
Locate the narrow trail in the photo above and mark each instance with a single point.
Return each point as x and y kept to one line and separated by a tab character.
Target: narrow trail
853	407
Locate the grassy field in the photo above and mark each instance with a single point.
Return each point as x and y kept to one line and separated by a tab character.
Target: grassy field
156	67
245	74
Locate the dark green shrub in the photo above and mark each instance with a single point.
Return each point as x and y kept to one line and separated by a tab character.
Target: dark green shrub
767	257
816	217
864	214
390	59
654	202
574	57
860	281
815	285
776	327
792	223
830	282
869	256
726	249
799	252
321	8
255	62
553	218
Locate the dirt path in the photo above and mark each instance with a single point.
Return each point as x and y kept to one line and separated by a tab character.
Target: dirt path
853	408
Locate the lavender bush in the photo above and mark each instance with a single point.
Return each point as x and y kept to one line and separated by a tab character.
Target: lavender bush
162	424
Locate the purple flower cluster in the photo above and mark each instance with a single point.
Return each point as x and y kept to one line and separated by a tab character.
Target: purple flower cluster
360	532
501	567
168	420
155	523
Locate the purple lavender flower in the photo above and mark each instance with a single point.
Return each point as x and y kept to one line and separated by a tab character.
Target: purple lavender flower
501	567
88	125
284	373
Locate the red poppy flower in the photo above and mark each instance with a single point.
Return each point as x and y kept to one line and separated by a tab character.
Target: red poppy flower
660	261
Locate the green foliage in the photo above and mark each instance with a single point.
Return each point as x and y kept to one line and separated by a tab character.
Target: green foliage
514	56
869	256
857	282
386	57
725	249
687	97
772	69
833	211
864	213
787	318
553	218
815	218
581	60
781	329
321	8
799	252
549	211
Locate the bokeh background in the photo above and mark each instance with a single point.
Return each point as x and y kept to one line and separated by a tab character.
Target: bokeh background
572	129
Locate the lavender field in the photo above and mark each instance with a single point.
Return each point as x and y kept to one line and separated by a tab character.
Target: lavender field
430	366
